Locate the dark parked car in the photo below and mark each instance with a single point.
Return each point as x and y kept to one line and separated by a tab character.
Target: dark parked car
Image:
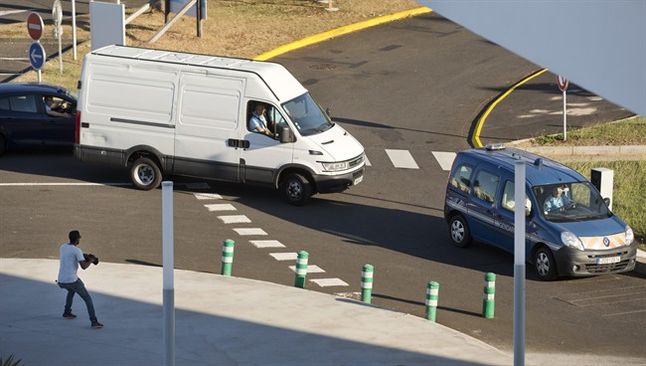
36	116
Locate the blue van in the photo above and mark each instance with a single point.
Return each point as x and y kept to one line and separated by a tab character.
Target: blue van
570	230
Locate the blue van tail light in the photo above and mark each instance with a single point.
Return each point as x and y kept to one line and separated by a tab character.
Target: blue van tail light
571	240
630	237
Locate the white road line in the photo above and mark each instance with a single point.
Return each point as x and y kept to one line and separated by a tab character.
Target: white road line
207	196
61	184
310	269
402	159
445	159
220	207
368	161
200	185
625	313
234	219
14	58
284	256
250	231
267	243
329	282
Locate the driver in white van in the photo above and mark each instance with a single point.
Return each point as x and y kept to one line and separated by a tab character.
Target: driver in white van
258	120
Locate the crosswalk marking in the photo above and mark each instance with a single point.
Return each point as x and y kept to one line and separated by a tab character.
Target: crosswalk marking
250	231
402	159
367	161
329	282
234	219
310	269
284	256
445	159
220	207
207	196
267	244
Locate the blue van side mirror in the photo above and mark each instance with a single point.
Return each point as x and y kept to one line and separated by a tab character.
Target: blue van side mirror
607	201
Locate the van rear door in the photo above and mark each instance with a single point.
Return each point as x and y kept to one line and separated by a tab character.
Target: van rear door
209	110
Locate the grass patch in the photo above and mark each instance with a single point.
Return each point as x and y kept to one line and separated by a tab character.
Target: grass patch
629	191
630	131
236	28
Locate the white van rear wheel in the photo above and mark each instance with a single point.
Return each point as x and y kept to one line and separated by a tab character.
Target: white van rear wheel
145	174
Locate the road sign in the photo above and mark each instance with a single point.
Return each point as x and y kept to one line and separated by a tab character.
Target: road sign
57	13
36	55
35	26
562	83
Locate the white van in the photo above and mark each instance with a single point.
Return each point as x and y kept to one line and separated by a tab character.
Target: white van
169	113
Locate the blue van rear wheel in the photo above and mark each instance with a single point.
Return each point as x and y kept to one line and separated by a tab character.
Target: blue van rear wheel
459	231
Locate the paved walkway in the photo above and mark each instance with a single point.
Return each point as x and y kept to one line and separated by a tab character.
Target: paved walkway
219	321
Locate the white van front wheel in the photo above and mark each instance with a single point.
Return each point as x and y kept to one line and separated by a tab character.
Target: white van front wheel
145	174
296	189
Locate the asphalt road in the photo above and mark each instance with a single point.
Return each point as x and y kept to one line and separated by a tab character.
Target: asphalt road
413	85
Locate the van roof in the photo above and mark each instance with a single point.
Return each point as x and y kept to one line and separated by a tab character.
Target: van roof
281	82
539	170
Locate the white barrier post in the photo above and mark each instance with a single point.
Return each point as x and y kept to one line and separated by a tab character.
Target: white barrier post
168	286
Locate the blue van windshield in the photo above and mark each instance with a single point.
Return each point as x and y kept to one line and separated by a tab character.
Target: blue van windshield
570	202
307	115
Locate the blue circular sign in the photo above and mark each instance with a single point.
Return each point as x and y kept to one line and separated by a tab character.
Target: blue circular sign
37	55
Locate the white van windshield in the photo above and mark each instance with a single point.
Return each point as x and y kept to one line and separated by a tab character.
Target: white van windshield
570	202
307	115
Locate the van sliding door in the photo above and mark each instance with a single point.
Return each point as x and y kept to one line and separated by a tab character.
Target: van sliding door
209	108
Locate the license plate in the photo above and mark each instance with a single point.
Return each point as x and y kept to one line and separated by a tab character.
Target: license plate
608	260
358	180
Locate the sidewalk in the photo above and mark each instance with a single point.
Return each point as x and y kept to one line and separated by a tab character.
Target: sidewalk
218	321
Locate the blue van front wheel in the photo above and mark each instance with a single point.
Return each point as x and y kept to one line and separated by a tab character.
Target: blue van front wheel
459	231
544	264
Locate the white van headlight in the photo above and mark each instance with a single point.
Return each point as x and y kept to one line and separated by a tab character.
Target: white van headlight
630	236
571	240
335	167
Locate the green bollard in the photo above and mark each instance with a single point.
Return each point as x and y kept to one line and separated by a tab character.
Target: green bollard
432	295
488	302
227	257
366	283
301	269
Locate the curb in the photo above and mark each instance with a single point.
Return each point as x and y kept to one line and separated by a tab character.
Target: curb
339	32
633	152
482	117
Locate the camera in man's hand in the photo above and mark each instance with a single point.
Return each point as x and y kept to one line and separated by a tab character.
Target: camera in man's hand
89	257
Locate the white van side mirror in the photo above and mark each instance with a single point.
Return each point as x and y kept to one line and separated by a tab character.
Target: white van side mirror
285	135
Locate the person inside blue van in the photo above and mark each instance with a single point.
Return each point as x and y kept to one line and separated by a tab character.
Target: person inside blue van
557	200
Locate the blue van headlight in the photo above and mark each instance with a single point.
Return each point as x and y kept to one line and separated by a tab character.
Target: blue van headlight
571	240
629	235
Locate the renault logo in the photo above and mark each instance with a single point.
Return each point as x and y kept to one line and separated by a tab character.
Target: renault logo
606	241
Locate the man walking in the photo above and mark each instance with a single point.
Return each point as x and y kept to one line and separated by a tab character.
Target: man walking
70	258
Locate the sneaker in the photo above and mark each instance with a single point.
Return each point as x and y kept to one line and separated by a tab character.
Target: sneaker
96	325
69	316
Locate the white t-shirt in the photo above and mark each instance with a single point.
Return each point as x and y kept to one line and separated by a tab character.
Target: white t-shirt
70	256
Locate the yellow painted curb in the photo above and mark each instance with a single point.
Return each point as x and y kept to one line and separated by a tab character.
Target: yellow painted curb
475	139
339	32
